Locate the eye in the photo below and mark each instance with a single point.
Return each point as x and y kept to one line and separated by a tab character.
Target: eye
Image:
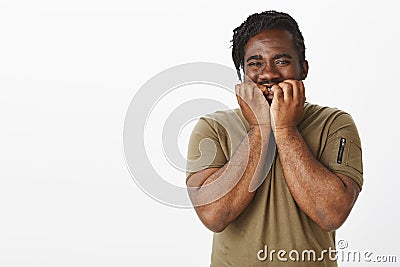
255	64
282	62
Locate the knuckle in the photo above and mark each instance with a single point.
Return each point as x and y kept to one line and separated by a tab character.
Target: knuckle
237	88
248	84
282	84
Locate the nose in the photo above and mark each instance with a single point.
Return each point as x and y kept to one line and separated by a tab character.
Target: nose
269	73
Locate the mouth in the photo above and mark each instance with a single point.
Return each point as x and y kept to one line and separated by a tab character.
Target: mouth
268	94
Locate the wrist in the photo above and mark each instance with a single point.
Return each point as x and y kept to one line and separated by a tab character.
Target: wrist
262	126
285	132
263	130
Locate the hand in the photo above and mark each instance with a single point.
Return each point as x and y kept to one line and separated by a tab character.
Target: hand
287	104
253	104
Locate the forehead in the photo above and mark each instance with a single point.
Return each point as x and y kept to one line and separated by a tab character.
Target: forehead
270	41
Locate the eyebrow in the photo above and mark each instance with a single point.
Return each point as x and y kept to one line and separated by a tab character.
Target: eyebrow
277	56
256	57
282	56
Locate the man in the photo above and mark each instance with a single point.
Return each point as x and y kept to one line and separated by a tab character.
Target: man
292	208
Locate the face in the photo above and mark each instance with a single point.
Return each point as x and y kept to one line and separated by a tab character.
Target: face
270	58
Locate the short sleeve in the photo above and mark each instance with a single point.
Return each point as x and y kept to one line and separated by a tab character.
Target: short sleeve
342	153
204	149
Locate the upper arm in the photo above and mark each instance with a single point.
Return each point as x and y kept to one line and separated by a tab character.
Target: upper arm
205	152
342	153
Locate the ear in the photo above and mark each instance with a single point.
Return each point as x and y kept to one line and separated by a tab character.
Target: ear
304	70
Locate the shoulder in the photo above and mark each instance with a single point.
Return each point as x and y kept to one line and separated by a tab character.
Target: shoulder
322	116
225	119
322	112
321	125
223	115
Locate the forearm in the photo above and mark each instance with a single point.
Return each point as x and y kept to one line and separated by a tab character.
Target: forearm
321	194
234	183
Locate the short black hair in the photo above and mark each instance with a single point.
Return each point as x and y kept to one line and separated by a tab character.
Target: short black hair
258	22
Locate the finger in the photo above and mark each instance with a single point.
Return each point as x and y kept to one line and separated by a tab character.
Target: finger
298	89
250	90
242	93
247	91
239	94
240	90
302	91
287	89
277	92
263	89
250	87
237	87
257	91
294	85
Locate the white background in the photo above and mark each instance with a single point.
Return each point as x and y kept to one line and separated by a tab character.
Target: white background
68	71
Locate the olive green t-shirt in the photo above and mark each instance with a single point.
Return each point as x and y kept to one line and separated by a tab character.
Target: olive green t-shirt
272	221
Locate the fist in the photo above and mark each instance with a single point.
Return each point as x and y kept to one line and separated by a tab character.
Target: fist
287	104
253	104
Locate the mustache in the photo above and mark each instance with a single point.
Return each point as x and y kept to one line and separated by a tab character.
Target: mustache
273	82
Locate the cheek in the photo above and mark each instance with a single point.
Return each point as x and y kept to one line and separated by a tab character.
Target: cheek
291	73
297	72
250	73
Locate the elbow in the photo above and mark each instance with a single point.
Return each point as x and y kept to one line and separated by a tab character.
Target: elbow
331	221
212	220
331	217
215	225
330	226
216	228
